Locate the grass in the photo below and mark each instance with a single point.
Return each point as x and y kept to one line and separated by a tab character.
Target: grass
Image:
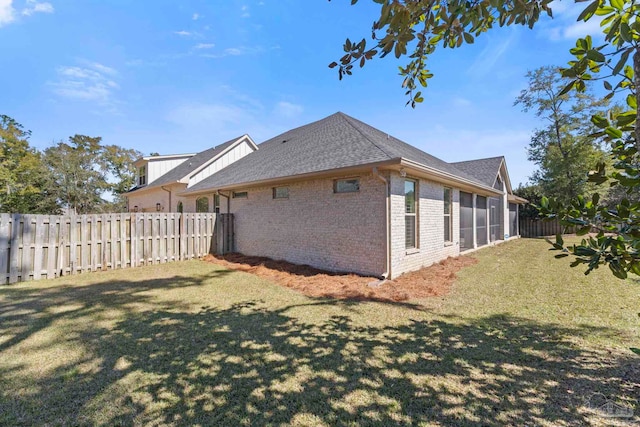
521	340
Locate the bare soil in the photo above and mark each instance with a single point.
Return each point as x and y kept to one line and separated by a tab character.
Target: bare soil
435	280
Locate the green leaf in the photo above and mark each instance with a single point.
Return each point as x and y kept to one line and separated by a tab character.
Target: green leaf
583	230
600	122
594	55
588	11
635	350
618	4
613	132
468	38
544	202
617	269
625	32
622	61
567	88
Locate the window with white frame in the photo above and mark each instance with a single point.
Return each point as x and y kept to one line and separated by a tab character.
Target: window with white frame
448	223
351	185
216	203
142	175
410	210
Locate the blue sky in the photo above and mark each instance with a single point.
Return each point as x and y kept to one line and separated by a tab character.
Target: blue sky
180	77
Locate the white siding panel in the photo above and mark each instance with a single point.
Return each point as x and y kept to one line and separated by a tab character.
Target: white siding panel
222	162
157	168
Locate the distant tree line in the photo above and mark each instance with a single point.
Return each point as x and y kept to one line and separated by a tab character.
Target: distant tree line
81	175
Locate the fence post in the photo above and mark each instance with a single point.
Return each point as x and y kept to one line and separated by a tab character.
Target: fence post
5	220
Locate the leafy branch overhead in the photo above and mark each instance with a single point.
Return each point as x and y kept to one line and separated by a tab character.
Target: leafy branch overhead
416	28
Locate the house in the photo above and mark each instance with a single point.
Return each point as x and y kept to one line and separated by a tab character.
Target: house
340	195
161	178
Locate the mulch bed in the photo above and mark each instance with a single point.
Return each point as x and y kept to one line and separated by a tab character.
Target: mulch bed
435	280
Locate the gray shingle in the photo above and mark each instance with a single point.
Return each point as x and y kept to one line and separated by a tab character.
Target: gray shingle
334	142
188	166
484	170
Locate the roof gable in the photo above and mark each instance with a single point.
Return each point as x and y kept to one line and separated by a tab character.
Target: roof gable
195	163
484	170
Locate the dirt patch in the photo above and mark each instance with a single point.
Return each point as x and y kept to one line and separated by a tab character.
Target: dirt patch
430	281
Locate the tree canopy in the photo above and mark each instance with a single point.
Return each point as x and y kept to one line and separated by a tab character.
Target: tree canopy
82	175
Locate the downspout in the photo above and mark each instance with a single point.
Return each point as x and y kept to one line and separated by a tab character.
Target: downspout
168	191
228	197
387	272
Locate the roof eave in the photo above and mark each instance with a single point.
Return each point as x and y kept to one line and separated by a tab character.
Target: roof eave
293	178
517	199
449	178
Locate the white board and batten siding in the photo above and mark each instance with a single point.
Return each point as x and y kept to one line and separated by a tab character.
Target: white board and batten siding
157	168
34	247
236	153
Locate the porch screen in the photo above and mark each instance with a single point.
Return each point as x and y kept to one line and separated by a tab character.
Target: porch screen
495	219
466	220
513	220
481	220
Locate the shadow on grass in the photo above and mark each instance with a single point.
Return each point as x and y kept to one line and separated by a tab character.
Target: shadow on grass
251	365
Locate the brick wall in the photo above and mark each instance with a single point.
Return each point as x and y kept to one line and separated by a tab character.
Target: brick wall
314	226
430	212
146	200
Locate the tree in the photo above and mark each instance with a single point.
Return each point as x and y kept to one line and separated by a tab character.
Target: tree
119	162
563	149
79	172
423	25
25	184
85	171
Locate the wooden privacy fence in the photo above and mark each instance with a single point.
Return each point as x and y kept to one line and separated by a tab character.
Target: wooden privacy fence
34	247
530	227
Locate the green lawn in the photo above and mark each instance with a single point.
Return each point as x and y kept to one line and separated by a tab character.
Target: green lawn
521	340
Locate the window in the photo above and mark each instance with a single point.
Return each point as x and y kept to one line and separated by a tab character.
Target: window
216	203
280	192
346	185
410	202
180	208
240	194
447	215
142	175
202	204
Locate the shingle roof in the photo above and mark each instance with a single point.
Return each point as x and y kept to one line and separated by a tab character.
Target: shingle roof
484	170
336	141
188	166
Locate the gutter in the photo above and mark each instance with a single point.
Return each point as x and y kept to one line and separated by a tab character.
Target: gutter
387	272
